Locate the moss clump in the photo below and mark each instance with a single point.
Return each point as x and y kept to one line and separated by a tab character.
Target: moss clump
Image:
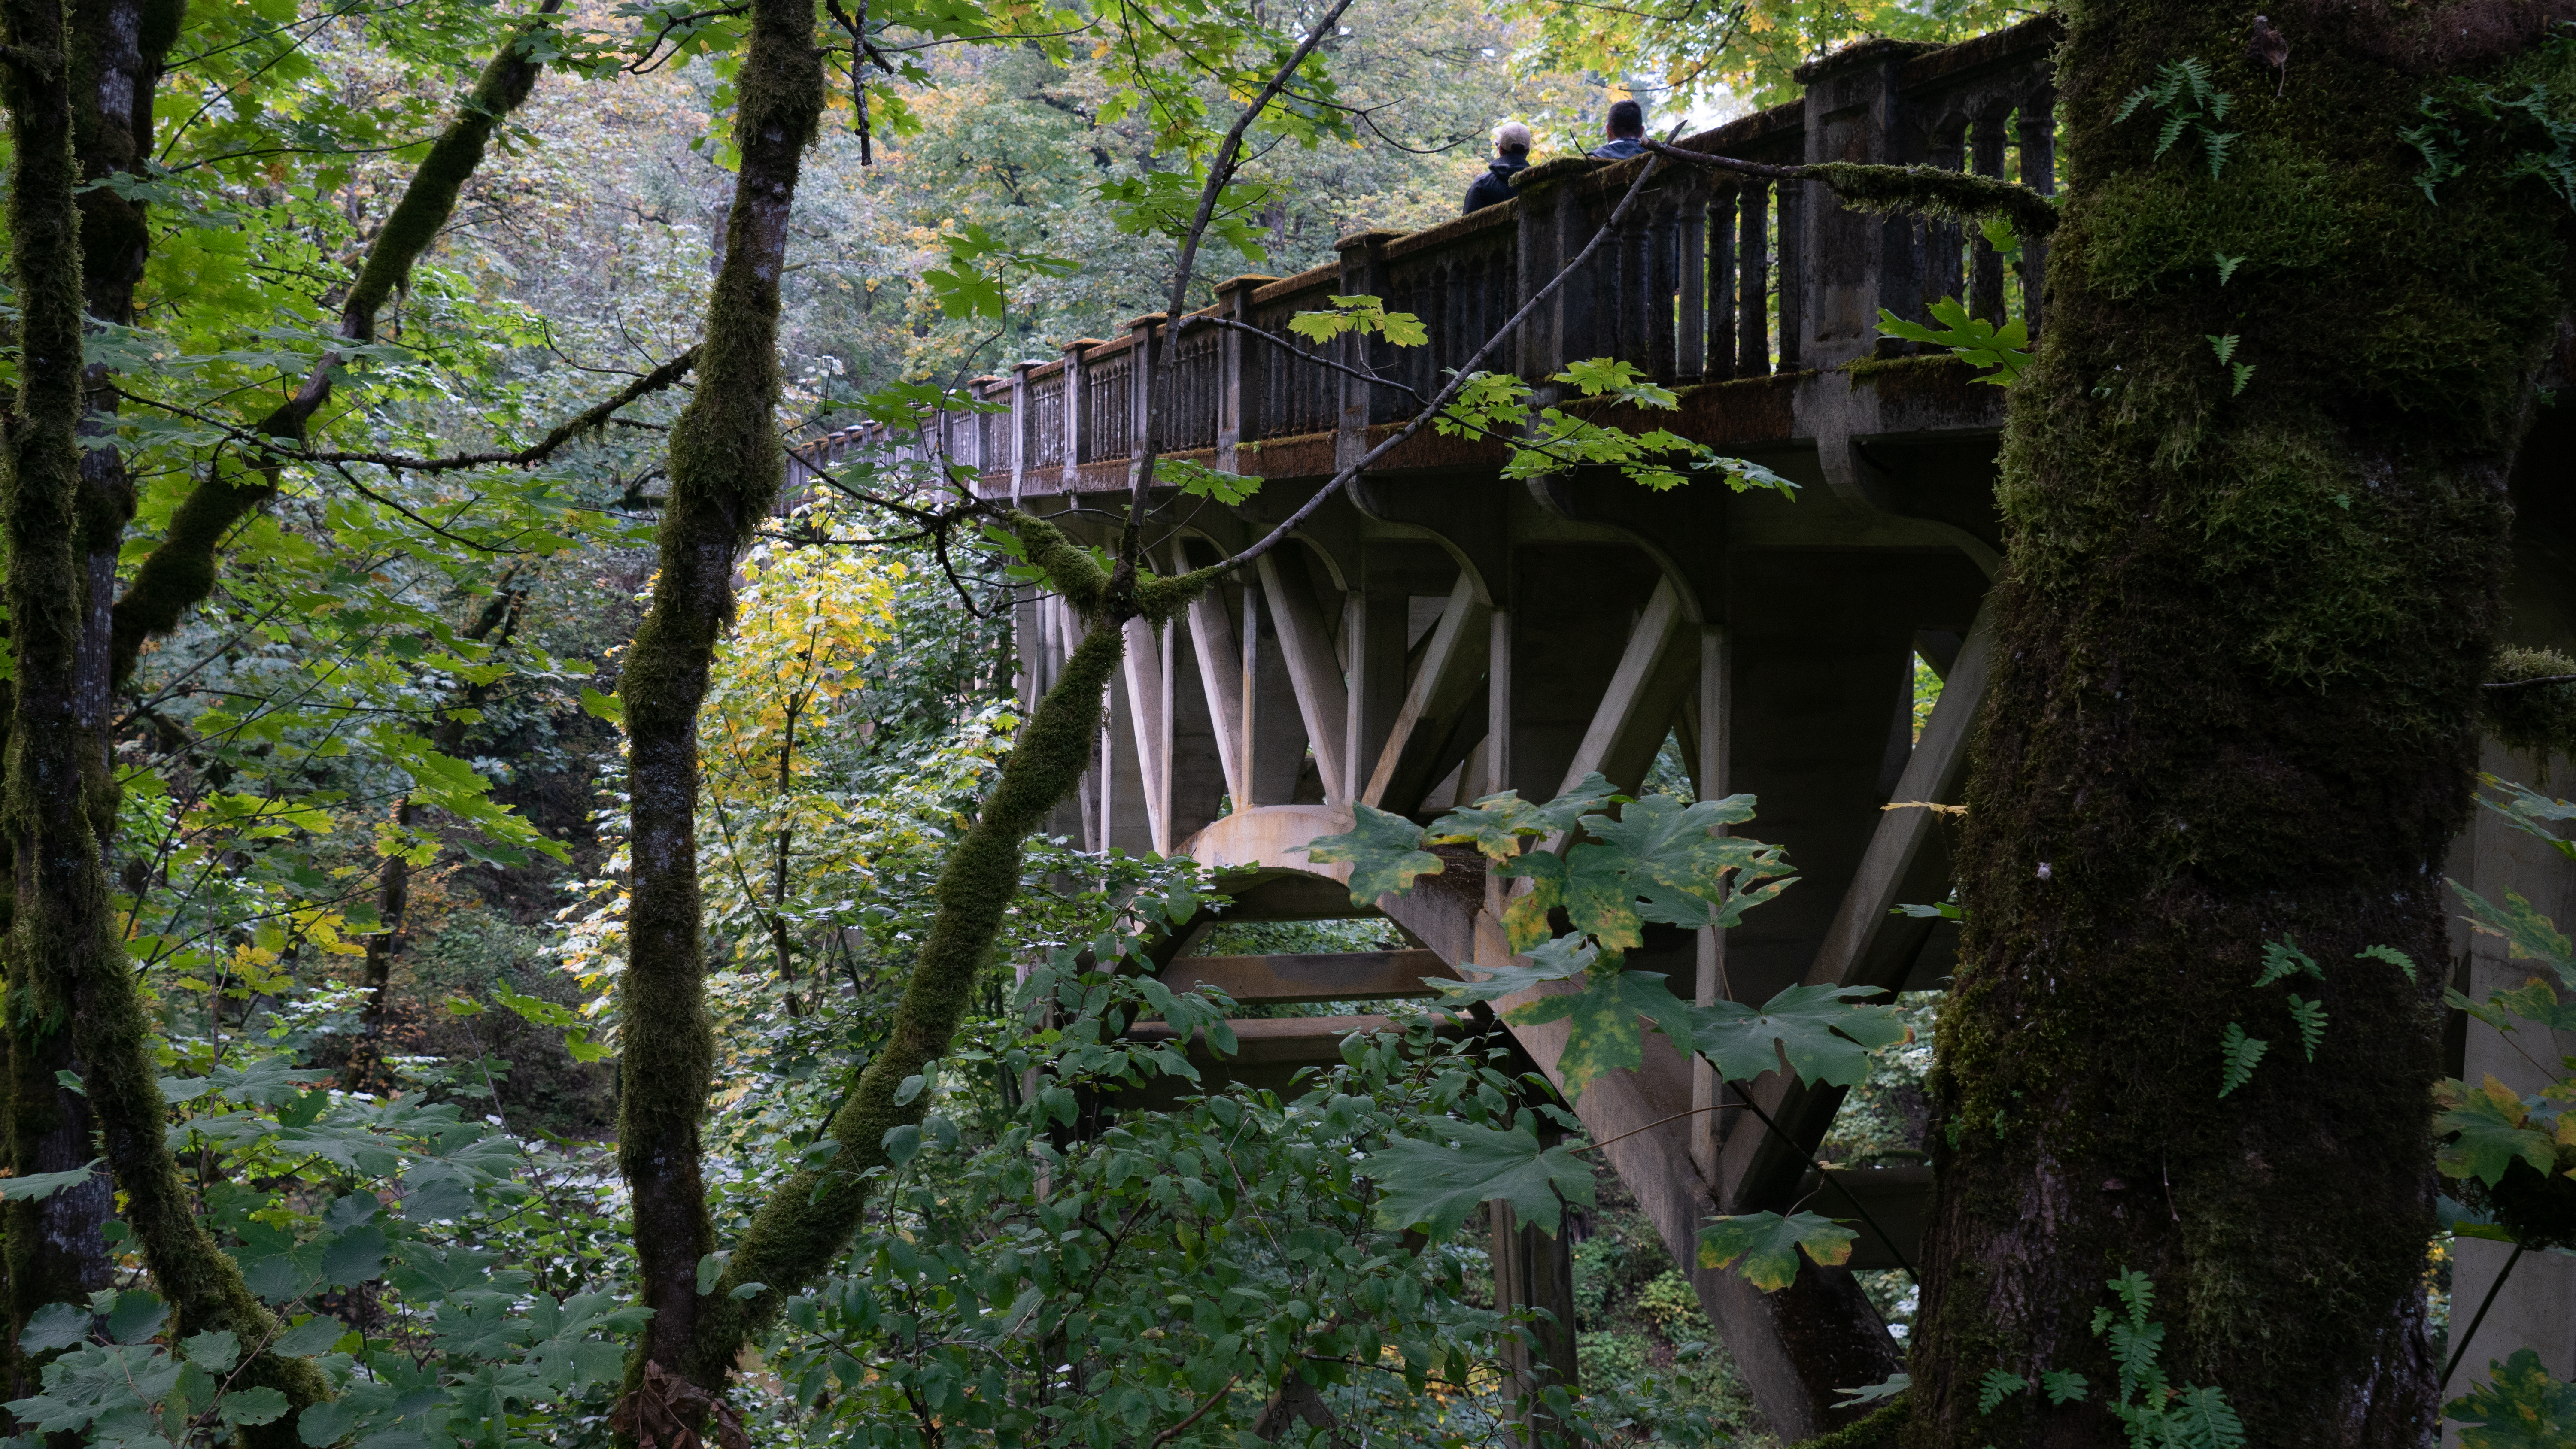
1881	1430
2529	703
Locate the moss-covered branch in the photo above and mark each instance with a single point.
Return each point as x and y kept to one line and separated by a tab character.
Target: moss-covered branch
2530	703
726	466
1925	190
180	572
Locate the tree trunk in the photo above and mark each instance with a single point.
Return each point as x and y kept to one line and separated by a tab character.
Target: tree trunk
726	465
2241	626
117	47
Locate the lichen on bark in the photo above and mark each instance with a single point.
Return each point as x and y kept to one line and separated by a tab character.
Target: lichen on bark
2240	638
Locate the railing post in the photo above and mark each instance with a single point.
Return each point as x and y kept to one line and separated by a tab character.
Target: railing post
1076	386
1363	274
1752	258
2039	173
1689	243
1019	428
1239	364
1722	283
1854	263
1149	332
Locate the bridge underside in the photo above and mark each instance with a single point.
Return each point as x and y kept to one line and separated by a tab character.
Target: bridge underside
1439	633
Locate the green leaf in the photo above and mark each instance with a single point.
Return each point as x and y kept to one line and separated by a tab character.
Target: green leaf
2528	935
138	1314
1886	1388
1197	480
1996	1387
215	1352
2063	1388
45	1184
1764	1246
313	1336
255	1406
1973	339
2237	1054
2488	1137
603	706
1435	1185
1602	1019
2520	1406
1557	960
56	1325
1384	852
1825	1036
2200	1418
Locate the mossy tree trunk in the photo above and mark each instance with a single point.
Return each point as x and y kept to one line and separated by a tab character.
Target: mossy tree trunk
69	973
116	48
726	464
2240	640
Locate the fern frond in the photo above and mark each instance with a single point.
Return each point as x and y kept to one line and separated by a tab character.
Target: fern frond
2282	959
2171	133
2201	1418
2192	71
1996	1387
2389	954
2311	1019
2216	143
2129	107
2237	1055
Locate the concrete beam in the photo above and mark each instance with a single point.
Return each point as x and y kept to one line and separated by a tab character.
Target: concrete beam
1337	976
1757	1169
1443	689
1306	646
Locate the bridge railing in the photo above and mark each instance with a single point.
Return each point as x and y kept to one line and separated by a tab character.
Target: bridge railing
1714	277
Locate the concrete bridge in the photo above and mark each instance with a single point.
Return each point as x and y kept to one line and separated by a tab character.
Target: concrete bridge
1436	633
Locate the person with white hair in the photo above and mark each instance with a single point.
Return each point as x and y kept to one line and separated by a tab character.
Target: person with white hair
1511	154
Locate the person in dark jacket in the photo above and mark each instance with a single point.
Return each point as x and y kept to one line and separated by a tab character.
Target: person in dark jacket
1511	154
1627	130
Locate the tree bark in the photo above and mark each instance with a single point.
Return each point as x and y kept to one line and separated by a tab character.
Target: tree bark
68	966
2241	626
726	466
116	49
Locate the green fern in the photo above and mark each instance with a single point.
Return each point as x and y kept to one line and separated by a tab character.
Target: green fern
2389	954
2154	1411
1997	1387
2192	104
2237	1055
2282	959
2310	1016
